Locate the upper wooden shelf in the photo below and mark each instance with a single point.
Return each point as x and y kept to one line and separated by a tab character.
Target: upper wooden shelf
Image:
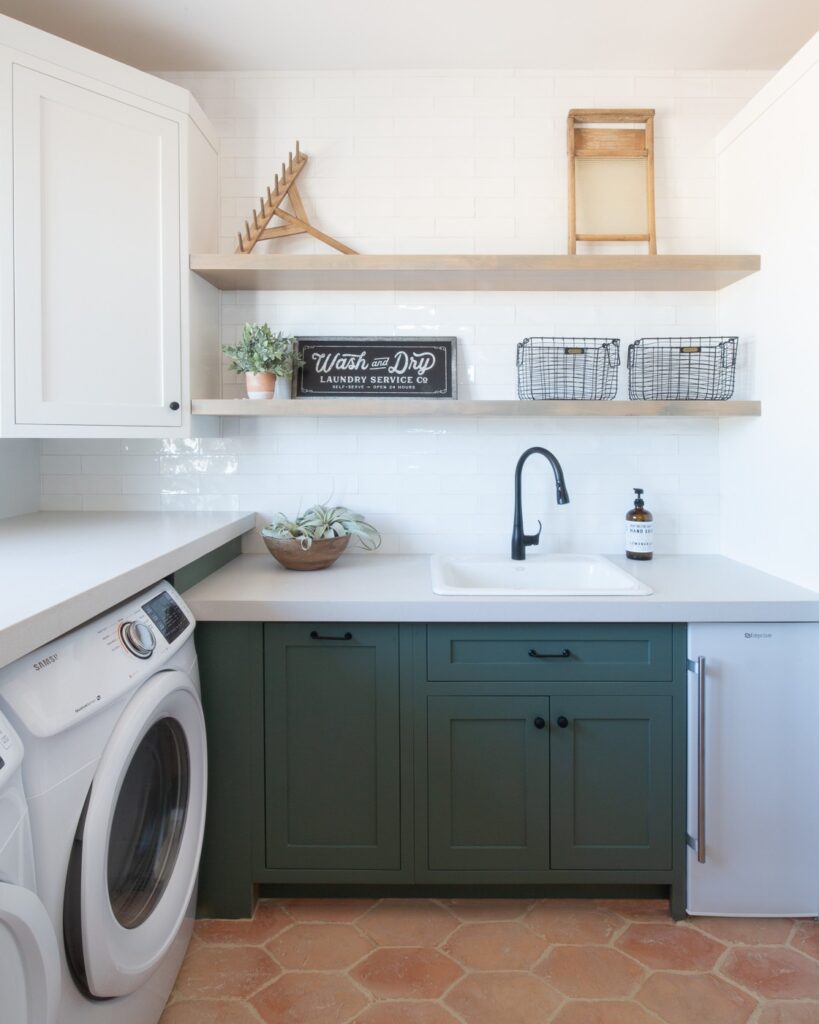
463	407
259	272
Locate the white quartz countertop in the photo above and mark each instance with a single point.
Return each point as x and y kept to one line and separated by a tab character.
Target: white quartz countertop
59	569
398	588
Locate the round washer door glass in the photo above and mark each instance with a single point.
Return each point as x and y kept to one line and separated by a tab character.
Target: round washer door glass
148	822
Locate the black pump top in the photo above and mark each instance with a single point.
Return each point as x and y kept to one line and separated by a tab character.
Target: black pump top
638	501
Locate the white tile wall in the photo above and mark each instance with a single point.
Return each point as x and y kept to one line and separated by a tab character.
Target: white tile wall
19	477
443	162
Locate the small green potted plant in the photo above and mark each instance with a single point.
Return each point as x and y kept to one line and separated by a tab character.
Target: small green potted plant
316	538
262	357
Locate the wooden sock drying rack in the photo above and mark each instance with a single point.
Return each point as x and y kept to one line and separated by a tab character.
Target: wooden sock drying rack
295	223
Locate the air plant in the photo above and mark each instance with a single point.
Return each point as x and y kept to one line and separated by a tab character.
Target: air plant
324	522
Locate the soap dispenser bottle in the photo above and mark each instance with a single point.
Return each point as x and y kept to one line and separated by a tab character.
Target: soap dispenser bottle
639	530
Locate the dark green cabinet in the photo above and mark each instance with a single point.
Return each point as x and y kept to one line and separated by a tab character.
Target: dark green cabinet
488	782
511	787
611	795
444	755
332	764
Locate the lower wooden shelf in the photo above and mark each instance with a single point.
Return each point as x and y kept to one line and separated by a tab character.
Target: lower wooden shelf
463	407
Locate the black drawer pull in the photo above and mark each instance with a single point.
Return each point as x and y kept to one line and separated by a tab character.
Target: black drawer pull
562	721
317	636
540	723
565	653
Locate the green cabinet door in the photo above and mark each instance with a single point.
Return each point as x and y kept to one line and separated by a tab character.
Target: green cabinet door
332	758
487	782
611	782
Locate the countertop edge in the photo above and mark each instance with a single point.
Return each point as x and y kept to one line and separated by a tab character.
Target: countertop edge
26	635
669	611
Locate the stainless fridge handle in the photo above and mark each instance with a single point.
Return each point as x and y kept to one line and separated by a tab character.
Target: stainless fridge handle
698	666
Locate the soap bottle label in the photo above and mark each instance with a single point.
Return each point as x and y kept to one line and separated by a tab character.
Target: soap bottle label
640	537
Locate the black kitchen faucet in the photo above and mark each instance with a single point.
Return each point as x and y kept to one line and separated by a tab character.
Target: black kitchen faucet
520	540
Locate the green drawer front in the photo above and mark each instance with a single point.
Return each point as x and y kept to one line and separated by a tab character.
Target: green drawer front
597	653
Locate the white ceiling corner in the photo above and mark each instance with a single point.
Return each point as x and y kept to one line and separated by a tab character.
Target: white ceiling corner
272	35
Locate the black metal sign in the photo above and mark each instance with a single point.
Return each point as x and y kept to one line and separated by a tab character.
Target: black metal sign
377	367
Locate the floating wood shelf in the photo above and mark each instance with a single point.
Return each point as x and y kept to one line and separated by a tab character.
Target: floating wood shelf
257	272
456	407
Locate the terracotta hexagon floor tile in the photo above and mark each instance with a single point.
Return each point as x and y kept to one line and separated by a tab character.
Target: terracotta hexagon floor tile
488	910
773	972
209	1011
495	946
214	971
319	947
604	1012
408	923
749	931
789	1013
575	922
590	972
268	921
343	910
670	946
407	973
638	910
806	938
511	998
406	1013
309	999
692	998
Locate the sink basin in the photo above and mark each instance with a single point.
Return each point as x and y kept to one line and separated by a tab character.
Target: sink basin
537	576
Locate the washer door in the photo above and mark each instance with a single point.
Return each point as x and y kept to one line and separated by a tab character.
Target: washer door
139	841
29	958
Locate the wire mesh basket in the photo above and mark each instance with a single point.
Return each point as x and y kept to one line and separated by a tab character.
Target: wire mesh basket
568	368
682	369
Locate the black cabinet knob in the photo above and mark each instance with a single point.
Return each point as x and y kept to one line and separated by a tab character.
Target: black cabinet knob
174	406
562	721
540	723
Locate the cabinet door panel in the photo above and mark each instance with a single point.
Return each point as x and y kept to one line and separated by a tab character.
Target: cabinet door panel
611	794
487	782
97	257
332	768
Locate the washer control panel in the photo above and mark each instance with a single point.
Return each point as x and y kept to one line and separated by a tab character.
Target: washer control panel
166	615
138	638
82	672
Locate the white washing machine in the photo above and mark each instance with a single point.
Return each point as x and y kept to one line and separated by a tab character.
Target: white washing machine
115	775
29	958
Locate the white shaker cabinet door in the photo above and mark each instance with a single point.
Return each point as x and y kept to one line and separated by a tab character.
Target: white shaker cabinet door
97	332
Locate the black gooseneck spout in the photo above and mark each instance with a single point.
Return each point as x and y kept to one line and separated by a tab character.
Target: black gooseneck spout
520	540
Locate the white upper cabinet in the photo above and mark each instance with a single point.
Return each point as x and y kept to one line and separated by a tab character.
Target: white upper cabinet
97	337
104	165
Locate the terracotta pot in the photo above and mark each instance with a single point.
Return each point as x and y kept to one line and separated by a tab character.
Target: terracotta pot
320	555
260	385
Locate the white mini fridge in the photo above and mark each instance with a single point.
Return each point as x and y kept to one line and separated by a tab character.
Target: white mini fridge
753	769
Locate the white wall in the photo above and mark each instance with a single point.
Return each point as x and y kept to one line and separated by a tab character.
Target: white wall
443	162
19	477
769	203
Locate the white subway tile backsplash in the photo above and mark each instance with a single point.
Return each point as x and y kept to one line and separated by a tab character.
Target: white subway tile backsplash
442	161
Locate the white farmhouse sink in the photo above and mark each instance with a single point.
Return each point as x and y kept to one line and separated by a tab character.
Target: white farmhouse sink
537	576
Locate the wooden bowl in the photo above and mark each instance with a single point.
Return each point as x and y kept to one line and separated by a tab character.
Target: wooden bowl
320	555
